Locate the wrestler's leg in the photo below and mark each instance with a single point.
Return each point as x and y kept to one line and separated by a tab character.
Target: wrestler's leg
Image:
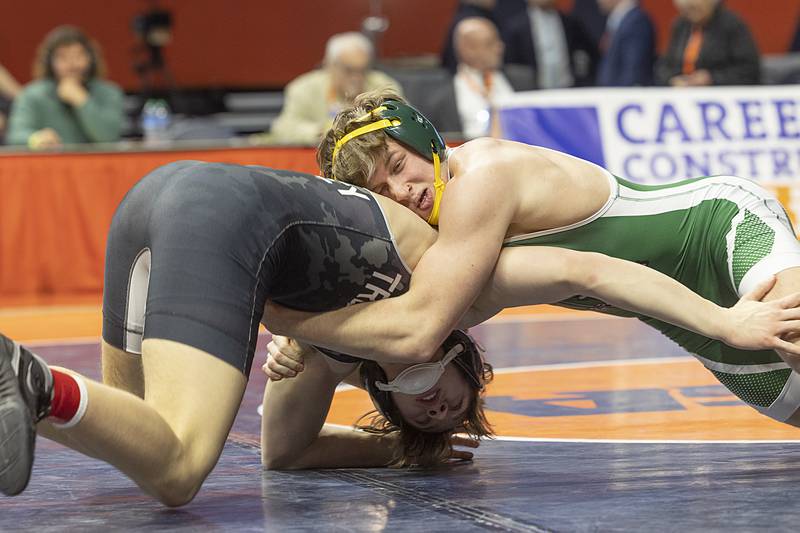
170	441
122	370
762	243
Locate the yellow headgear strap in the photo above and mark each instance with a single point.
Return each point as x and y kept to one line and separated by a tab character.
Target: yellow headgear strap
369	128
438	184
438	187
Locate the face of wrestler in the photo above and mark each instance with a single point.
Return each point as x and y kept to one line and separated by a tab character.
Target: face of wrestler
696	11
71	61
441	408
407	178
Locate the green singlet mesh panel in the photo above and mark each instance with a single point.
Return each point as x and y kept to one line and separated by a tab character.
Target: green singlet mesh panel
759	389
754	241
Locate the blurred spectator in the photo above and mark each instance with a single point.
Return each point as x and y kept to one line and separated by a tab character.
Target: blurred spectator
467	104
465	9
593	18
9	89
554	44
628	47
506	10
313	99
709	45
795	46
68	102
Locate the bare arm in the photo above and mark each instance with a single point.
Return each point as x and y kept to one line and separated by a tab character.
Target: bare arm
447	279
293	433
531	275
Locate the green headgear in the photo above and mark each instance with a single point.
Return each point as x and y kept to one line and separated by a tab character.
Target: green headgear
415	131
408	126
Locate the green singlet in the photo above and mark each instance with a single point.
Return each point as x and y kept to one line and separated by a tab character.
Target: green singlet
719	236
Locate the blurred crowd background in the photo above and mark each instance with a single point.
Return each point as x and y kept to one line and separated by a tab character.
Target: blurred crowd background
268	72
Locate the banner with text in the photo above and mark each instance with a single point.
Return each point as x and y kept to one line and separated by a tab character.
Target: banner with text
658	135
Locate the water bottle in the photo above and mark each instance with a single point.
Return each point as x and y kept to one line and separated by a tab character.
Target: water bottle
155	122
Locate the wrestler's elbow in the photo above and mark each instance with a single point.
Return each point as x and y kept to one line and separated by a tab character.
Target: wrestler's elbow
422	344
276	457
584	276
276	463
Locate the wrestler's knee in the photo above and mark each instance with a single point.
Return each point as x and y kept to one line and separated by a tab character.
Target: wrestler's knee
180	482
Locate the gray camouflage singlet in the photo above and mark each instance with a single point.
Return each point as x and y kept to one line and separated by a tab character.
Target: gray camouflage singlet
195	249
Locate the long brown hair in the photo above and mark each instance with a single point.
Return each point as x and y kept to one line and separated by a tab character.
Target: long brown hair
62	36
416	447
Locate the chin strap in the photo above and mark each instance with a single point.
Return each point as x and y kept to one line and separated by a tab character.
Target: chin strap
438	186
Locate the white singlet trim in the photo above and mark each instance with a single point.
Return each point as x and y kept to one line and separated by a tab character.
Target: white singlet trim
138	285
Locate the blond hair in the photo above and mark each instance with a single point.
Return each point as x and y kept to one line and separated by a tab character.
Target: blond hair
359	157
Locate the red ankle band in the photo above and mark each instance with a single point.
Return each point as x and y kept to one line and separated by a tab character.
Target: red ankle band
66	396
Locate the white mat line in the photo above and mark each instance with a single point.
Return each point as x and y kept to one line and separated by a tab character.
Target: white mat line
613	441
645	441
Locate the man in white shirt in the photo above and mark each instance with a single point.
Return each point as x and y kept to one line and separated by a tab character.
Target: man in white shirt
555	45
550	43
479	82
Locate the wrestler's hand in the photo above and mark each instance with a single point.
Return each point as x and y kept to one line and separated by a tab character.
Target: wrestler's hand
455	455
462	441
285	357
757	325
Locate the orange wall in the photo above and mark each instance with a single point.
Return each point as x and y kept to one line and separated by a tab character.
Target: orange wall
228	43
268	42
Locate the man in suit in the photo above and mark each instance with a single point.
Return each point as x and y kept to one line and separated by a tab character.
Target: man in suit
555	45
593	18
467	103
628	45
709	45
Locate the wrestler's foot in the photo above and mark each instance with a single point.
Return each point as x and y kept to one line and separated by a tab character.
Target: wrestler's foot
26	385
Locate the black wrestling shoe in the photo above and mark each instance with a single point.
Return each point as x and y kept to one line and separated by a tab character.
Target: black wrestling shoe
26	386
